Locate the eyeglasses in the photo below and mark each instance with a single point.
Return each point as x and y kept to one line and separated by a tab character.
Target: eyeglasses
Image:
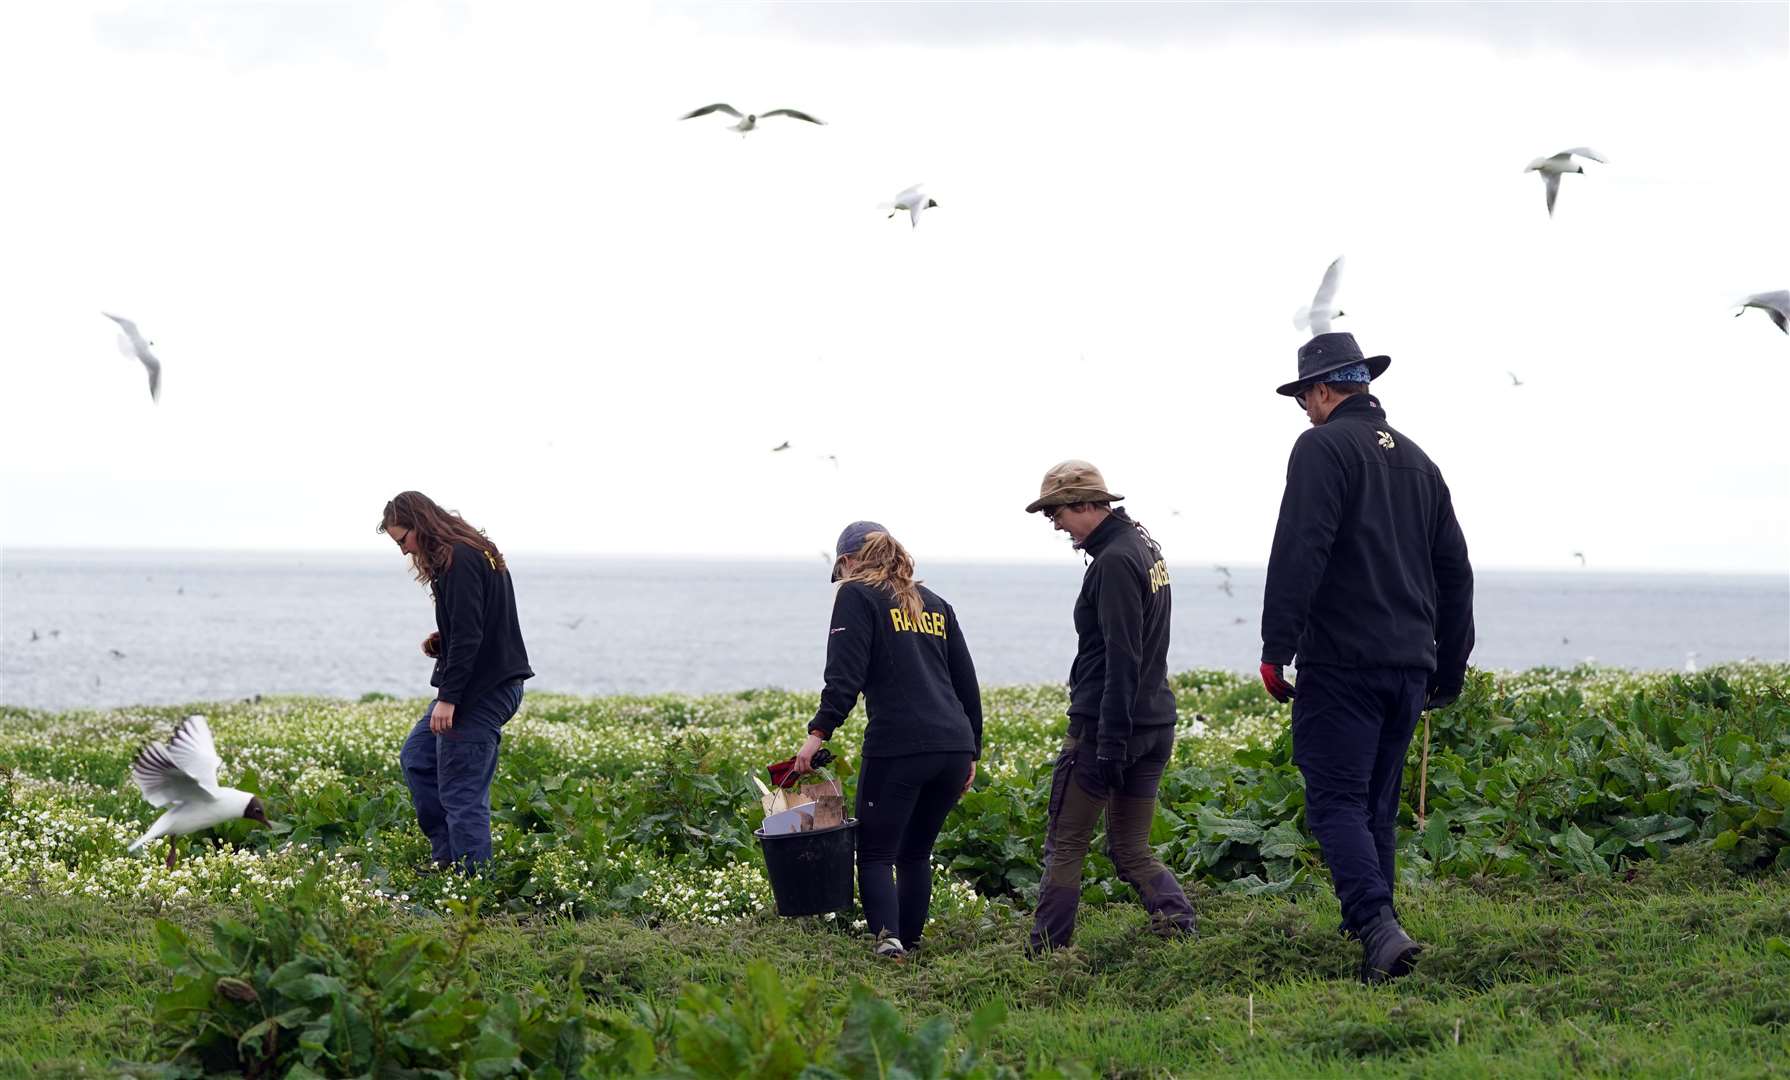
1051	513
400	540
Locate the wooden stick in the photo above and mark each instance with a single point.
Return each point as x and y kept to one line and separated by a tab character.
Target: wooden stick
1423	773
1252	1016
1457	1031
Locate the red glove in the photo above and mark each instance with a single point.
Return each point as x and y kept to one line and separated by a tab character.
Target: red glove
1278	687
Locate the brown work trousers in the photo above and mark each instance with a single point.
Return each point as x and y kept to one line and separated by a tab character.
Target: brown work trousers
1078	796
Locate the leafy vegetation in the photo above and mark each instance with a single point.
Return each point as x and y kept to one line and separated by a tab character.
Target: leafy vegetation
1545	813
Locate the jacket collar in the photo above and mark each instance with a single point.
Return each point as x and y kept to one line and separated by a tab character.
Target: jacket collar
1354	407
1115	525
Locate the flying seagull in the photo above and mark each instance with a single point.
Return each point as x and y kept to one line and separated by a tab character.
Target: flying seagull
834	458
574	624
131	344
784	446
1579	555
747	121
1550	168
913	200
1317	317
183	776
1226	586
1514	381
1225	570
1774	304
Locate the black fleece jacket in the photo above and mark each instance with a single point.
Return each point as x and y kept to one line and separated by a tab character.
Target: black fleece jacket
1369	566
481	639
1119	681
918	683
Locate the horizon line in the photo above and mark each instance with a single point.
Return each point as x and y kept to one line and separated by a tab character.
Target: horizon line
30	549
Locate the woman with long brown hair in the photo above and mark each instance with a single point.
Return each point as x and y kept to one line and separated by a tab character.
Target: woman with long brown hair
896	642
480	662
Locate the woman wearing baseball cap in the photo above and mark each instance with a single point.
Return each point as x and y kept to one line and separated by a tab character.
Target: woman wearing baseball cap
898	643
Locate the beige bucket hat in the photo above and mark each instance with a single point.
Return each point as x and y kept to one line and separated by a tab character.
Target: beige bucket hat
1069	482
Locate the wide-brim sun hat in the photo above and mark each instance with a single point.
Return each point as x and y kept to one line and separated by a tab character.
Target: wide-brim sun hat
1327	353
1072	481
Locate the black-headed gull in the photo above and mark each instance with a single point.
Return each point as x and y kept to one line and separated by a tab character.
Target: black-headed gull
1551	168
131	344
1323	307
1775	304
913	200
183	776
747	121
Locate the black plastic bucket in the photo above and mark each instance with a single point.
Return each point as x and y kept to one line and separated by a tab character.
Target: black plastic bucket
811	872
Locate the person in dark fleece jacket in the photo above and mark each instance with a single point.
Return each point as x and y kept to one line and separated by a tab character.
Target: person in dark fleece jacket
1369	587
896	642
480	662
1121	711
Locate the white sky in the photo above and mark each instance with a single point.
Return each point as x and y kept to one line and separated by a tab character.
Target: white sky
469	249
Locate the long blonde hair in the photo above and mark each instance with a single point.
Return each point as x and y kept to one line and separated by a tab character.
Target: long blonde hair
884	564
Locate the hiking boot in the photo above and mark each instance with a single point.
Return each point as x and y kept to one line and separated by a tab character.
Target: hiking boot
889	948
1387	952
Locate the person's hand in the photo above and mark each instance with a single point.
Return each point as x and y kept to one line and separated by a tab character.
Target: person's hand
1274	678
432	644
441	718
805	756
968	780
1112	772
1441	699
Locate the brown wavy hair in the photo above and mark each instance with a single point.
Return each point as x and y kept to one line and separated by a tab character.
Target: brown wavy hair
884	564
437	531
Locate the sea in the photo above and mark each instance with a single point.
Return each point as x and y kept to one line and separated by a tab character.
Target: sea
107	629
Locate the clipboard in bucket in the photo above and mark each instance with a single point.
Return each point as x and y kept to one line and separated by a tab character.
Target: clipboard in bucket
801	803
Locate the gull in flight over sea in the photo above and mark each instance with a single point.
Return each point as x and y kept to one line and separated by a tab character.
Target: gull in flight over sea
1551	168
1774	304
913	200
1323	306
131	344
783	446
747	121
183	776
1579	555
1514	381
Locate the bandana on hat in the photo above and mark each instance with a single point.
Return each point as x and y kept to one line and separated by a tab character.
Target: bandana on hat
1352	373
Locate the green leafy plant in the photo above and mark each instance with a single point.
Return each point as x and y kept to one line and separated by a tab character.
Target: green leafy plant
311	989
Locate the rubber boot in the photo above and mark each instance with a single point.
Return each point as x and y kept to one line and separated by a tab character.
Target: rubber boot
1387	952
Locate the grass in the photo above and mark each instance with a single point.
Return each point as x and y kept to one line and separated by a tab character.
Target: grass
1667	974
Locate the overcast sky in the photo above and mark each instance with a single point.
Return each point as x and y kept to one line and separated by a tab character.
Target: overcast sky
468	248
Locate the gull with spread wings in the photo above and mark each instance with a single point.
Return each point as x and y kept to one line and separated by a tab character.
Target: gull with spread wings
747	121
132	344
1551	168
914	201
1316	318
1774	304
182	775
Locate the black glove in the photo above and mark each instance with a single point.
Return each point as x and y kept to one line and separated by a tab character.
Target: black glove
1440	699
1112	772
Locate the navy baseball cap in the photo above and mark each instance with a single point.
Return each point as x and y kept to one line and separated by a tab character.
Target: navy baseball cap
851	541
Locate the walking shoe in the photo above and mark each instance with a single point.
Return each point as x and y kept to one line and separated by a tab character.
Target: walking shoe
1387	952
889	948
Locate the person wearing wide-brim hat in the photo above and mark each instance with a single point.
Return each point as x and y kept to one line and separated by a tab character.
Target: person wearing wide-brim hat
898	644
1370	589
1121	729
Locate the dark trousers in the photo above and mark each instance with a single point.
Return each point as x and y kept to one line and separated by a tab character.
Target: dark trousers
1078	796
450	776
901	805
1351	730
